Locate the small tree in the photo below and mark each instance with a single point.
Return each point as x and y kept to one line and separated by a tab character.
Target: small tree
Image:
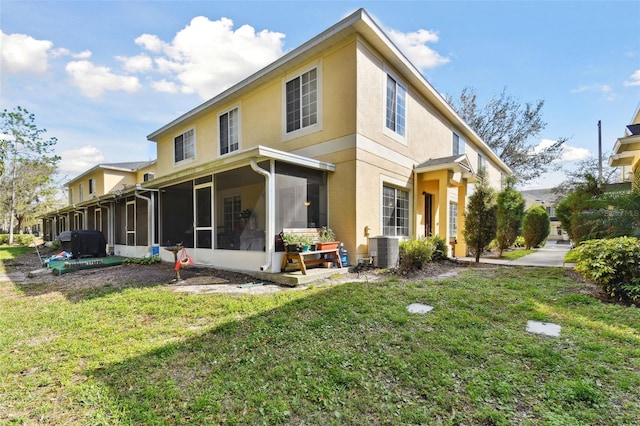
510	212
480	219
535	226
30	153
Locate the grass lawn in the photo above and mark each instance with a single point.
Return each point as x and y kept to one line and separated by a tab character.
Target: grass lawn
516	254
342	354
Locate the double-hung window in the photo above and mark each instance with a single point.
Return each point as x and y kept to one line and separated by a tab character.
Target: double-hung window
395	212
482	163
458	145
302	101
81	192
92	186
229	131
184	146
396	106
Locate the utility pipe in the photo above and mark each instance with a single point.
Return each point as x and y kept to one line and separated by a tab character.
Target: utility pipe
270	213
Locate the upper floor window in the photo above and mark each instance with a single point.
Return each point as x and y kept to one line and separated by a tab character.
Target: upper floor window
92	186
395	212
396	106
70	195
229	124
302	101
80	192
184	146
458	145
482	162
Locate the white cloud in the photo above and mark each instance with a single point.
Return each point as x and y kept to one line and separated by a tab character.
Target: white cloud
93	80
151	42
23	53
568	154
62	51
139	63
634	79
414	46
207	57
603	88
80	160
165	86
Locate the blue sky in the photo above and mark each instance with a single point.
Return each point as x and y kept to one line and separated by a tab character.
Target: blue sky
101	75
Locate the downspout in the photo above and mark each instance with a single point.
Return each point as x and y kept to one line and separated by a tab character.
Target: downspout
150	223
110	241
270	214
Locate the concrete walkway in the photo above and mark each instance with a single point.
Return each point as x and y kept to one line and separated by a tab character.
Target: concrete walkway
551	255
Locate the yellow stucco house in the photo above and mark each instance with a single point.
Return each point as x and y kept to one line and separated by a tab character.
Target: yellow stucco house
342	131
626	151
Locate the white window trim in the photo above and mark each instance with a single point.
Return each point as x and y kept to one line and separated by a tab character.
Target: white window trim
304	131
80	192
385	130
173	148
227	110
398	184
92	186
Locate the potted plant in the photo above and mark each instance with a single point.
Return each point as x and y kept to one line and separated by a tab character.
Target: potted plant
305	241
291	242
327	239
297	242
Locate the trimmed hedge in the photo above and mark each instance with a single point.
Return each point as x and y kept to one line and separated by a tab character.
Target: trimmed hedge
18	239
614	264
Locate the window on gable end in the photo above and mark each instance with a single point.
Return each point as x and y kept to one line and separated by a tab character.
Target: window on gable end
396	106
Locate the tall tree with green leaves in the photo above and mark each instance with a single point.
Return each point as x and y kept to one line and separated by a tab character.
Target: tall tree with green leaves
31	160
510	129
480	218
574	209
510	213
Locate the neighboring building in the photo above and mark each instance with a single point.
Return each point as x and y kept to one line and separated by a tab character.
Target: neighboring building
93	201
548	199
343	131
626	151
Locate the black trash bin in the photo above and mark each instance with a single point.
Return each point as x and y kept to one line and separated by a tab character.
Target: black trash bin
88	244
65	241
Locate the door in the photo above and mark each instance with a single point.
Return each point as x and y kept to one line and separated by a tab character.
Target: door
203	216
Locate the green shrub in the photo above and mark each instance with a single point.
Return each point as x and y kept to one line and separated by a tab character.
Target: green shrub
440	248
519	242
142	260
535	226
18	239
614	264
414	254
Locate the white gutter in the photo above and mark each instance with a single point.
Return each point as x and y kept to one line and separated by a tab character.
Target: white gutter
270	213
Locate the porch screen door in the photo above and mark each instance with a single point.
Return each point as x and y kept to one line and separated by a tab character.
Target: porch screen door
131	223
203	212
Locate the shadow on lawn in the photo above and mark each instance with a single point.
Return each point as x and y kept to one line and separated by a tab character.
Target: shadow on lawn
301	357
99	282
353	354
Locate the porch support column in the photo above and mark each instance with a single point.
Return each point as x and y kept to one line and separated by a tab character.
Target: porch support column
443	206
461	248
